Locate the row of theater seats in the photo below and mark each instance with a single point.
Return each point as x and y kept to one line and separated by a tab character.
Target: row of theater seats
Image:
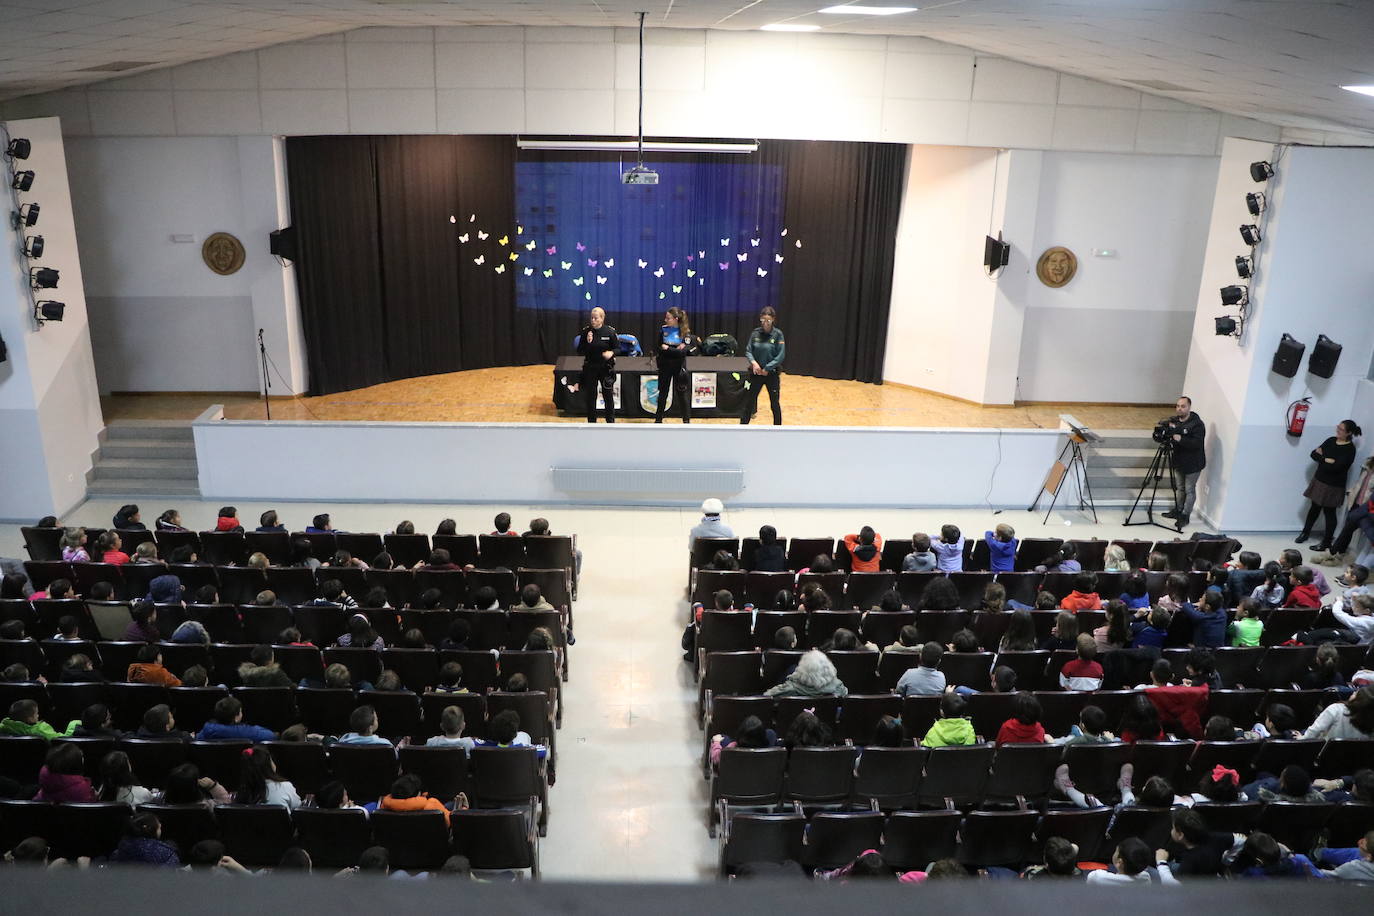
864	590
300	584
1030	552
224	548
489	776
257	835
911	840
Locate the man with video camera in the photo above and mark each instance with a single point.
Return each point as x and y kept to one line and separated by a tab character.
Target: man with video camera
1184	435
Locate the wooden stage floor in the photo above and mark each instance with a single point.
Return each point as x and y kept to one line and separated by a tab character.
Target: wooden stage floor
523	394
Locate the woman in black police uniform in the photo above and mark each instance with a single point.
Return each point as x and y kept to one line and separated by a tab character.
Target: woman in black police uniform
675	344
766	349
597	345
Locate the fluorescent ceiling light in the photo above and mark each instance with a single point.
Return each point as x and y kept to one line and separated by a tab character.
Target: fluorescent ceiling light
650	146
1362	90
789	27
868	10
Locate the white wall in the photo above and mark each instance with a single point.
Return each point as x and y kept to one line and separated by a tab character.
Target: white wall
49	405
783	466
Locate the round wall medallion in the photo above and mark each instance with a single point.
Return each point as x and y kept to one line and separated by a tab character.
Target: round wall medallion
223	253
1056	266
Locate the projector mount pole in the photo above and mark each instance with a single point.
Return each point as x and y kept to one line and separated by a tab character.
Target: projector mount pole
640	163
266	379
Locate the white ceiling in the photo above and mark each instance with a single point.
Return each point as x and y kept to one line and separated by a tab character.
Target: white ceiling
1280	61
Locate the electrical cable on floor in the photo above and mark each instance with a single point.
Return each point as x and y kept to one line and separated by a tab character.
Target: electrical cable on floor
287	386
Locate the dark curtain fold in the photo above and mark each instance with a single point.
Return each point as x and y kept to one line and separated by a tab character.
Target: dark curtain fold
388	292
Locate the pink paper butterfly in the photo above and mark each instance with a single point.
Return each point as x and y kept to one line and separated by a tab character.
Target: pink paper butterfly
673	265
724	265
581	247
691	257
591	262
551	250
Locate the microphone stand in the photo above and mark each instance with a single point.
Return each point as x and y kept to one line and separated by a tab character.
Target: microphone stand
266	380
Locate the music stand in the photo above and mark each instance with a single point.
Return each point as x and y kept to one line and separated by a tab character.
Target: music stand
1076	468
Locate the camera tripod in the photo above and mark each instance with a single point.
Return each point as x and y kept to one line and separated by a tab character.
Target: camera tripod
1161	464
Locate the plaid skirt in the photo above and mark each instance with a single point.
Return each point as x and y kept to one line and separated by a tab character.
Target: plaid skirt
1324	494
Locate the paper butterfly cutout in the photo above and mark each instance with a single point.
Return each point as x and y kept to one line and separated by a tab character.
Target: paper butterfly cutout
480	259
600	281
610	262
778	258
754	242
673	265
548	273
472	218
724	242
531	245
529	271
663	295
701	282
691	273
519	230
591	262
500	268
701	254
677	289
784	232
463	238
798	243
581	247
453	219
483	235
566	265
589	297
742	256
643	263
724	265
659	272
551	250
503	240
691	257
762	272
577	281
515	255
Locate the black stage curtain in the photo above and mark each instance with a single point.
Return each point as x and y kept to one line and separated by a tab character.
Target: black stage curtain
386	293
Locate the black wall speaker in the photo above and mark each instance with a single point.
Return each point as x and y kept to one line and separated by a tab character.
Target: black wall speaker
282	243
1288	356
1325	353
995	253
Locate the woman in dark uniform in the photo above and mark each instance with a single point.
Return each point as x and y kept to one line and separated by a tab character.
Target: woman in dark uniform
675	344
1327	489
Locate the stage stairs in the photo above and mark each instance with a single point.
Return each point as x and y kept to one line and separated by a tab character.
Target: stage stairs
145	458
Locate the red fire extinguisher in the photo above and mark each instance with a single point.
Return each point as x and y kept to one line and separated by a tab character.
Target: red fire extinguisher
1297	417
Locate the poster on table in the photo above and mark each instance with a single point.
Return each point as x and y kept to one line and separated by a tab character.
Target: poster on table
704	389
648	394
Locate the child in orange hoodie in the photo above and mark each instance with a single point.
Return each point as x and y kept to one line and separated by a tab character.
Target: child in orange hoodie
865	549
1084	596
406	796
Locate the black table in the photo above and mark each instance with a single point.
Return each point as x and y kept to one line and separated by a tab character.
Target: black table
717	386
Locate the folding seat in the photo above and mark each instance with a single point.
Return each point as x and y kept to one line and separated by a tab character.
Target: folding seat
192	707
43	544
748	777
255	835
1238	666
988	711
832	583
320	624
479	667
363	663
1342	757
535	709
777	663
820	775
223	548
353	581
553	584
911	585
1273	754
41	573
1215	551
292	584
304	763
1240	706
894	553
1032	552
1085	829
1049	681
883	627
767	624
919	713
11	692
271	707
23	818
976	555
21	757
989	627
540	668
997	838
398	712
462	548
510	777
20	609
50	612
856	668
1022	773
221	621
1030	667
1059	584
300	662
859	715
1179	552
1138	552
914	839
502	839
1295	824
418	668
1153	825
706	582
552	551
940	626
23	651
324	710
724	631
748	837
955	776
1157	582
703	549
863	590
435	623
452	585
415	840
495	550
443	771
966	669
194	576
178	656
226	659
1349	822
220	760
1161	758
89	574
724	717
786	709
366	770
407	550
362	546
971	586
152	759
1021	586
93	750
1096	768
730	673
748	551
1282	666
1061	709
1232	817
275	545
889	776
1234	755
1282	623
323	544
184	825
761	588
88	828
264	625
1110	584
131	701
335	838
69	700
821	626
488	629
835	838
801	551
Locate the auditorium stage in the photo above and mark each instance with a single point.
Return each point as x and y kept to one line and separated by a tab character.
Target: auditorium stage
521	394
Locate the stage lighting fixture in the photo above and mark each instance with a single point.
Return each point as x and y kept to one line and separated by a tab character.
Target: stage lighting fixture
1235	295
1245	267
1251	234
1227	327
19	148
1261	171
1254	202
26	217
22	181
49	310
33	247
43	278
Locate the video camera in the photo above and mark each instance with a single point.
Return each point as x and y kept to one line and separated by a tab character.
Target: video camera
1162	432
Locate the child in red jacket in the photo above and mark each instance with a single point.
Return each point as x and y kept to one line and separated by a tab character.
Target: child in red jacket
1304	593
1024	726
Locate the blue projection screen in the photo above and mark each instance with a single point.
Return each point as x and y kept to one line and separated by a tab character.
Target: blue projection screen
709	237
